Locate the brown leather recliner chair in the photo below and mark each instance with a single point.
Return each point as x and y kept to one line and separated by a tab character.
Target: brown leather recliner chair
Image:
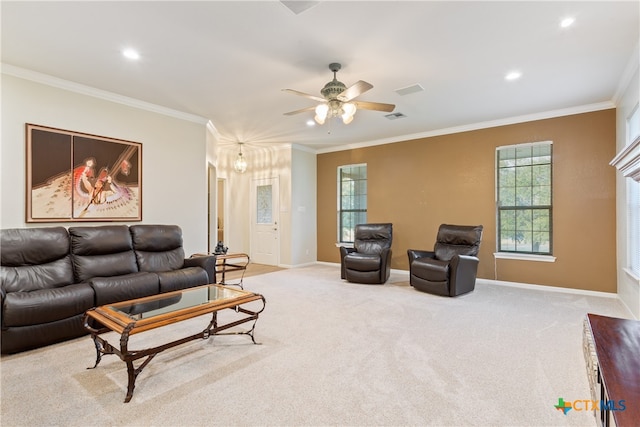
451	268
369	261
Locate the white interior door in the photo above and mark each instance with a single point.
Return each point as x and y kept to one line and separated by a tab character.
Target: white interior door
265	233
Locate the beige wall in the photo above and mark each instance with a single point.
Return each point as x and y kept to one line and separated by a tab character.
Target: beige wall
422	183
174	172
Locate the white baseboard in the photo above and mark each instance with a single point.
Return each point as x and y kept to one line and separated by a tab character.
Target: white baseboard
548	288
515	285
306	264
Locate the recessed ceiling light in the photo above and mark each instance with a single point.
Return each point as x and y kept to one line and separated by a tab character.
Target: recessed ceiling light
567	22
311	123
131	54
513	75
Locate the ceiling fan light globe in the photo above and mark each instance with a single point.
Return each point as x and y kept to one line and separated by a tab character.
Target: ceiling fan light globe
346	119
349	108
322	110
319	120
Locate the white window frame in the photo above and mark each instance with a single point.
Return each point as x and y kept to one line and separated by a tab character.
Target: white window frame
531	255
342	241
633	203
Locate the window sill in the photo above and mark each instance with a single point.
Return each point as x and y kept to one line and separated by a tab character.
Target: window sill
633	275
344	245
524	257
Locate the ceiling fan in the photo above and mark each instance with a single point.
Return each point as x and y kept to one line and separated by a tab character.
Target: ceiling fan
338	101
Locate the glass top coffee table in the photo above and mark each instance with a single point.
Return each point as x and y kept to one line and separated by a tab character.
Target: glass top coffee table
142	314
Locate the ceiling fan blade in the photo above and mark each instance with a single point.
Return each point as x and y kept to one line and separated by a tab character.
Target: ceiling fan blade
377	106
302	110
356	89
306	95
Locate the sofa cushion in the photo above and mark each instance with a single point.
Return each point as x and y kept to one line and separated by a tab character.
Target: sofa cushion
35	258
30	278
102	251
182	279
30	246
46	305
158	247
125	287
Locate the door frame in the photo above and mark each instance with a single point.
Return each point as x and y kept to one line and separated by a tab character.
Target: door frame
253	215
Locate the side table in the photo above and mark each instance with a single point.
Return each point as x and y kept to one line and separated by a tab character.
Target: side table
231	262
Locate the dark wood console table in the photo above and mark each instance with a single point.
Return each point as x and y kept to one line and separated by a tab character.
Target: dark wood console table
617	346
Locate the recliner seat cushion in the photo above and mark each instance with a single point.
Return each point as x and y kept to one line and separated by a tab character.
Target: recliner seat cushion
46	305
102	251
362	262
434	270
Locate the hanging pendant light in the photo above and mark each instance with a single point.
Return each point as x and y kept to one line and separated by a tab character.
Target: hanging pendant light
240	165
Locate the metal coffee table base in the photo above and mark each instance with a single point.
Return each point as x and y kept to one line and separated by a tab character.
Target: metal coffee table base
130	356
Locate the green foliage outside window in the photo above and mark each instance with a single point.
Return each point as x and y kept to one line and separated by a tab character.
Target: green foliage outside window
352	208
524	198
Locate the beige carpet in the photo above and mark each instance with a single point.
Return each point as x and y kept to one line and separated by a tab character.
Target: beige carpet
332	353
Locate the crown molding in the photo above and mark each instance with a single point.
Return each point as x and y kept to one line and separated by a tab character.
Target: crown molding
477	126
34	76
303	148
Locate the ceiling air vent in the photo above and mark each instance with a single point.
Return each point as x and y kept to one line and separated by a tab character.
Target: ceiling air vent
394	116
409	89
298	7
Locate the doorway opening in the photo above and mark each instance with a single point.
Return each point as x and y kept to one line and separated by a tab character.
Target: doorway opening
221	217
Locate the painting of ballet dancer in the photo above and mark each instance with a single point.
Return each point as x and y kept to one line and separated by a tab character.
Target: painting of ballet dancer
74	177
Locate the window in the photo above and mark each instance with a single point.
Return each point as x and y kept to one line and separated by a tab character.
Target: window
633	221
524	209
352	200
633	201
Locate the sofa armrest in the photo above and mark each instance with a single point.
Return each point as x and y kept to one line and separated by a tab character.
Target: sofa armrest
206	262
3	294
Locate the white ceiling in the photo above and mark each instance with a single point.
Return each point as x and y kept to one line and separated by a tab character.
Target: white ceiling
227	61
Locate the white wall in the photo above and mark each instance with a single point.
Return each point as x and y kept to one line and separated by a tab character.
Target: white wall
236	205
295	168
304	210
174	162
628	286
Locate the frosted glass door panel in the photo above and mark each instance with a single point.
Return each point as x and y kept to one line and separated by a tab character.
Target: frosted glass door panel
264	200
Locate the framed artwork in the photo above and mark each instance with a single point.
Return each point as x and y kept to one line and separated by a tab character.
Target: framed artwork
72	176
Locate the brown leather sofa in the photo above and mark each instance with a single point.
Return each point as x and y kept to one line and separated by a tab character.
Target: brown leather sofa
369	261
451	268
51	276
